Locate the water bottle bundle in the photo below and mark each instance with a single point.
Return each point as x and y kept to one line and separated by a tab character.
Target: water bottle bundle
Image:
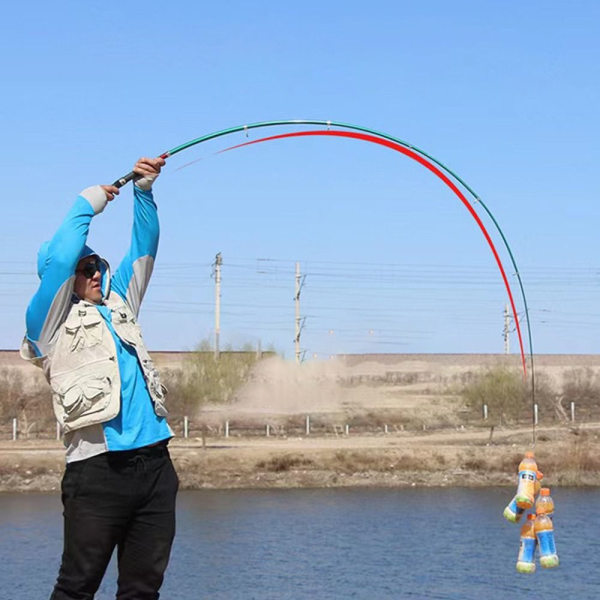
538	530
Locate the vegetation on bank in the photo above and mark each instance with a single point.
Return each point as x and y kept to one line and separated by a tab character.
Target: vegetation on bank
569	454
508	397
31	404
568	457
204	381
571	460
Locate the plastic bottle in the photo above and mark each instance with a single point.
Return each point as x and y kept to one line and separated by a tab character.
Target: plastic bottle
538	482
527	475
544	505
544	532
527	545
512	512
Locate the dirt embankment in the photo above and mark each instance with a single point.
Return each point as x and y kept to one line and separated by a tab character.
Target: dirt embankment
567	456
432	440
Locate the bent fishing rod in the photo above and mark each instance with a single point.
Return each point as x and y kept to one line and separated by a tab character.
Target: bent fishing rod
435	166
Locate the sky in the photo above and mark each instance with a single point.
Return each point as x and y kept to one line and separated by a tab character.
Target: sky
505	94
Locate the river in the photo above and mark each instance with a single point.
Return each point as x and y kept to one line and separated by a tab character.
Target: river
371	544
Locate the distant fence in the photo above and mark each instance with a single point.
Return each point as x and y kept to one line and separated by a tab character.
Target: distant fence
317	426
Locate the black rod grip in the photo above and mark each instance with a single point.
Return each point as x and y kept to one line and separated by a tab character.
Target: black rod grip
123	180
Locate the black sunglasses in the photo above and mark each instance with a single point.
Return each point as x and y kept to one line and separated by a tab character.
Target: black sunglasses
89	268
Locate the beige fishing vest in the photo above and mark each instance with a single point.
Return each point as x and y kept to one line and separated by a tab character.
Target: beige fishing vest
83	369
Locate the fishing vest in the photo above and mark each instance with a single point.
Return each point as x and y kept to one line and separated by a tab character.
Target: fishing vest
83	369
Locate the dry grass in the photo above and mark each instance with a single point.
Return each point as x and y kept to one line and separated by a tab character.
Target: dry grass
284	462
575	461
568	457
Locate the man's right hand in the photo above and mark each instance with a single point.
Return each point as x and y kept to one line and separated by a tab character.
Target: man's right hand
111	191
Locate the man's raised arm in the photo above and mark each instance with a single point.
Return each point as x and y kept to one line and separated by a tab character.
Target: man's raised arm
131	278
57	260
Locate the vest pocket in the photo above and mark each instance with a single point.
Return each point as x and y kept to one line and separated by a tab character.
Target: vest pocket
83	329
126	327
82	391
85	396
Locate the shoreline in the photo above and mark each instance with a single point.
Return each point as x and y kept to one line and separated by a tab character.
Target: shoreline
444	458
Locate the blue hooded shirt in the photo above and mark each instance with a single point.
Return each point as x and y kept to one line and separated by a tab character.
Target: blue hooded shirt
137	424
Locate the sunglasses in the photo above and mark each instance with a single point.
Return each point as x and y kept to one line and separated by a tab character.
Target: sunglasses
89	268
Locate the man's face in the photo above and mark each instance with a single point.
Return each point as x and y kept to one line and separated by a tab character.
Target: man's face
88	279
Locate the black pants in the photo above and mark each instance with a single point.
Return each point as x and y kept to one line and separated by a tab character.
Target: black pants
122	499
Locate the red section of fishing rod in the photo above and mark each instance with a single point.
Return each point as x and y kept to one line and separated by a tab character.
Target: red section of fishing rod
415	156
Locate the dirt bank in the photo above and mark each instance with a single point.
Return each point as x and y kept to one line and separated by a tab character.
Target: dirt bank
567	456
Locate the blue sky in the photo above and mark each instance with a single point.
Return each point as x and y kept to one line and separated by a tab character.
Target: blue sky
505	94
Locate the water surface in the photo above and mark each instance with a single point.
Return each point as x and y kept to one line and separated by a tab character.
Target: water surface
373	544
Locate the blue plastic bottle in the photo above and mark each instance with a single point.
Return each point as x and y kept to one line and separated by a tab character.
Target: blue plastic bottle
513	512
527	545
544	532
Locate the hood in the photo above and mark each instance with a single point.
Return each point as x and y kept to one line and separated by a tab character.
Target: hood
43	258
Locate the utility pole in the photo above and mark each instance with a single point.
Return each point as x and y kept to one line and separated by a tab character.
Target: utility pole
298	327
217	265
506	330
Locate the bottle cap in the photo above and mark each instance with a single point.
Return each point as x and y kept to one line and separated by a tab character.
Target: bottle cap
530	517
529	454
545	491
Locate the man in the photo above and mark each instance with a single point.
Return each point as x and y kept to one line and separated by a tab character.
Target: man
119	485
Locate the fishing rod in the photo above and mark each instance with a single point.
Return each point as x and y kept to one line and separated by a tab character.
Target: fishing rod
428	161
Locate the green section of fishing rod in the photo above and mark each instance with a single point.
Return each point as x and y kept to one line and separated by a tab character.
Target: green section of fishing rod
240	128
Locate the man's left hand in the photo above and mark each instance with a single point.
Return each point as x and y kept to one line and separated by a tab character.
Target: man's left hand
147	170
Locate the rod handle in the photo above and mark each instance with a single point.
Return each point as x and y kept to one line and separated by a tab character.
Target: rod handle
119	183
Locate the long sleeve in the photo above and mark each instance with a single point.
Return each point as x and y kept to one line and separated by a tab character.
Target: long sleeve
49	306
131	278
